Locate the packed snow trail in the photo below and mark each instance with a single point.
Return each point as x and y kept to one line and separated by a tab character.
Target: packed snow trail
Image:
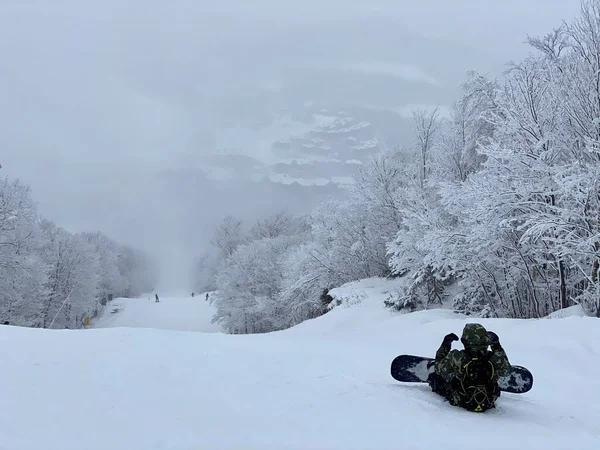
324	384
170	313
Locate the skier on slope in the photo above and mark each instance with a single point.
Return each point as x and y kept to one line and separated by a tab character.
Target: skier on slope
469	378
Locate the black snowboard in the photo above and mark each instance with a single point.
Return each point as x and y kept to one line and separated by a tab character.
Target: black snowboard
416	369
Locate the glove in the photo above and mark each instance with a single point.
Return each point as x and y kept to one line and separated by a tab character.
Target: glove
494	340
449	338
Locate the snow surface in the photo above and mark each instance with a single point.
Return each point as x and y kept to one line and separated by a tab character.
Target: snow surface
324	384
571	311
171	313
369	291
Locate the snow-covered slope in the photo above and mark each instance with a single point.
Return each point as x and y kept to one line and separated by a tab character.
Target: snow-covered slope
171	313
324	384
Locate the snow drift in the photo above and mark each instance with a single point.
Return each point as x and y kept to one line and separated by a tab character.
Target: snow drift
324	384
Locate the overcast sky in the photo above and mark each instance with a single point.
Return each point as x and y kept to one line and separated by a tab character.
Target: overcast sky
93	91
79	76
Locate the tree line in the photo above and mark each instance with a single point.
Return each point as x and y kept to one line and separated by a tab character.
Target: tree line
495	208
50	277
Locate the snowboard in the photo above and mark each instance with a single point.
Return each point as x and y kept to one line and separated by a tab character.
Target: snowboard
416	369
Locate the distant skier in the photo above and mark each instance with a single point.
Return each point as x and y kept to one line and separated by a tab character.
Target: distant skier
206	296
193	295
469	378
156	297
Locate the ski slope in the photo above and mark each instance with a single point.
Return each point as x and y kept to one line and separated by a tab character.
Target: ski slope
324	384
171	313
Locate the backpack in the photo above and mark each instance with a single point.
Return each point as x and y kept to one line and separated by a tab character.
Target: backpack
478	386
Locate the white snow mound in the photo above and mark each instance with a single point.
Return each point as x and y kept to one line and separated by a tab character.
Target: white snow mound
571	311
324	384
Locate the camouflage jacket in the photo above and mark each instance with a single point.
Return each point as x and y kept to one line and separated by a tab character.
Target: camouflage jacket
451	363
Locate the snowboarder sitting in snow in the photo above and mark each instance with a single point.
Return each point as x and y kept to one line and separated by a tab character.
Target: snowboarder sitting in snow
469	378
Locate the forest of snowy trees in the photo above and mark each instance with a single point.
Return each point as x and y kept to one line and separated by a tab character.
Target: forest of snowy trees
500	200
50	277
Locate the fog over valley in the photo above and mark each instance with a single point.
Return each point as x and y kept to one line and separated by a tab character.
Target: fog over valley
151	121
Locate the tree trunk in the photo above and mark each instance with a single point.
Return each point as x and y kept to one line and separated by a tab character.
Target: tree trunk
564	302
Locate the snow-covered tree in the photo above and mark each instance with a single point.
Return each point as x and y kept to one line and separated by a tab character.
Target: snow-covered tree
72	278
228	235
22	271
111	281
249	287
50	277
427	126
468	126
278	224
523	239
501	199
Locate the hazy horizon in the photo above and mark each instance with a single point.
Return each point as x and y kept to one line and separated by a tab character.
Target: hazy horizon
112	110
